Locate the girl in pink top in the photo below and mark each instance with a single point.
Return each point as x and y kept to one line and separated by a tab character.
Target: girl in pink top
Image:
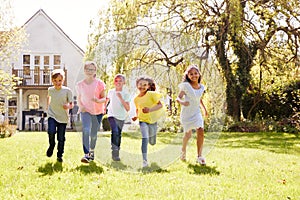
91	101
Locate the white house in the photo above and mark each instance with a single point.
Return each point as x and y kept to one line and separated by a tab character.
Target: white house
48	48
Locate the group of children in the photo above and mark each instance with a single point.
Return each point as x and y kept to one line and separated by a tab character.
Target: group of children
94	103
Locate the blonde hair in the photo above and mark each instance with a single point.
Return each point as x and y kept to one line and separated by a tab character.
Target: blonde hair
88	63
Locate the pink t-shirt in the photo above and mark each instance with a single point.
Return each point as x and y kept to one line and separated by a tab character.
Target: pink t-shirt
87	92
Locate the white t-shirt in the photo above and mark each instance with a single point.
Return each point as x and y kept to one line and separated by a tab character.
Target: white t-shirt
115	107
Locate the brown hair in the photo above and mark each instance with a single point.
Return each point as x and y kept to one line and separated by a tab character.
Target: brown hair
120	76
151	83
57	72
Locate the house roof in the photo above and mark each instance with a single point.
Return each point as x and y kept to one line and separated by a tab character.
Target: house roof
42	12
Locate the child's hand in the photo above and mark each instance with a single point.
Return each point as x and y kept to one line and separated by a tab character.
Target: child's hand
134	118
95	99
118	94
66	106
185	103
82	109
146	110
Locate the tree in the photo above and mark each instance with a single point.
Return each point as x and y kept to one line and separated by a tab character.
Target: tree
12	40
239	34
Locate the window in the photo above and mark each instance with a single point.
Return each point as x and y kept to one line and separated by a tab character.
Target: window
46	72
33	101
26	64
2	106
37	69
57	62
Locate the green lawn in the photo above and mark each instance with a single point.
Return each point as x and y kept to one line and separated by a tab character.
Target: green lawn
239	166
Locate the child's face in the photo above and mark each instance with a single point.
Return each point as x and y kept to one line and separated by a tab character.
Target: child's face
119	82
58	82
143	86
193	75
90	70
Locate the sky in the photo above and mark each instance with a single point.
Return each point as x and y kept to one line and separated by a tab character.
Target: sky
72	16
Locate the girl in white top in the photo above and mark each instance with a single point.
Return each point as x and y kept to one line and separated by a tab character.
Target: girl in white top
117	109
189	98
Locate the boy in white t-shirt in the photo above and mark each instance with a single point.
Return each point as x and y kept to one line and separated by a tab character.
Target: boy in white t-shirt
118	107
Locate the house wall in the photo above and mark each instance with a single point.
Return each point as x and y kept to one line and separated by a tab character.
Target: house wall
45	37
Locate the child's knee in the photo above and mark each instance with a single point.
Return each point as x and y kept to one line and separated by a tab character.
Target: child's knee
152	141
188	135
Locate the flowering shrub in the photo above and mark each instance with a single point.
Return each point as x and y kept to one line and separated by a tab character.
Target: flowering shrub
6	130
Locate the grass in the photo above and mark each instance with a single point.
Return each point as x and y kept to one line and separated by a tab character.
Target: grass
239	166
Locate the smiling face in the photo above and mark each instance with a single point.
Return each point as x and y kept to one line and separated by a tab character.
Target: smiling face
119	82
193	75
142	86
90	70
58	82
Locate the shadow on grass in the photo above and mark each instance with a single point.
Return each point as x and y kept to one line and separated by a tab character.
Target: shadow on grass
164	137
89	168
153	168
270	141
203	169
50	168
118	165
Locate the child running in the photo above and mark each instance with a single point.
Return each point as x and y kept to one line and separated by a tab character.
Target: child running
117	109
59	100
148	106
189	98
91	101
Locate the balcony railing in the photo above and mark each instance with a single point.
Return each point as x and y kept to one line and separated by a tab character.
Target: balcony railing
35	77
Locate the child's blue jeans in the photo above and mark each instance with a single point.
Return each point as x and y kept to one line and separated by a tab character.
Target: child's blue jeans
148	133
59	128
116	132
90	127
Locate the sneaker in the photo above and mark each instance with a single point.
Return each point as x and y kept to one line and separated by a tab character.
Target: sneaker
183	156
49	152
91	156
85	159
115	155
59	159
116	158
201	160
145	163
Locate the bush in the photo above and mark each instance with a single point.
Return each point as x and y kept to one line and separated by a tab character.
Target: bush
6	130
288	125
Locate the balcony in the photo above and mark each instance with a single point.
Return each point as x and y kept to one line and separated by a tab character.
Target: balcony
35	78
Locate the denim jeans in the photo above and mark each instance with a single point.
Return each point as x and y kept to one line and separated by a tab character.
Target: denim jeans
90	127
59	128
148	134
116	132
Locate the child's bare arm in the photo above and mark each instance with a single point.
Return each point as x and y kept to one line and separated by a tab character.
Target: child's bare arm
154	108
180	101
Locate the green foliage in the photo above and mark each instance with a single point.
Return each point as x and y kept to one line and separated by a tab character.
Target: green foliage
12	39
6	130
282	102
252	43
8	83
